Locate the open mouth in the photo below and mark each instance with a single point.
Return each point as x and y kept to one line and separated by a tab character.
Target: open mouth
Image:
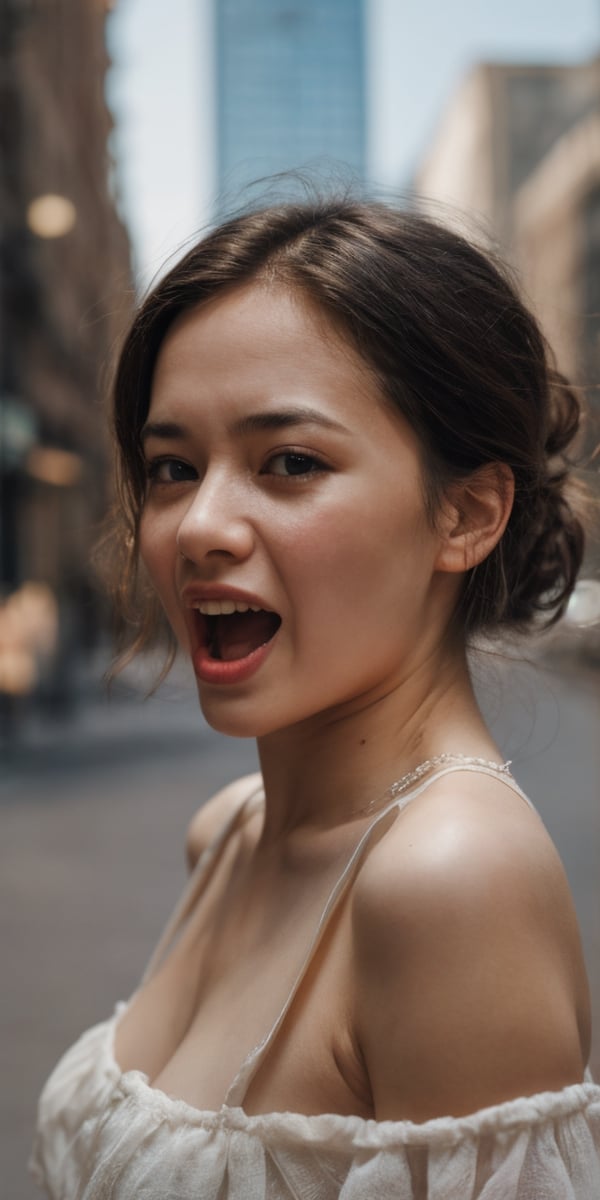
232	636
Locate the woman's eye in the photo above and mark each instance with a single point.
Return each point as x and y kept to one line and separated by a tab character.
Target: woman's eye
170	470
289	463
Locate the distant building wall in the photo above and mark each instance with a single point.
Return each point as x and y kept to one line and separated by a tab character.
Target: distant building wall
556	243
517	154
290	87
459	170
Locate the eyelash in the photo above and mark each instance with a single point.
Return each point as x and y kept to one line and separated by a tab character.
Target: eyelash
153	467
315	467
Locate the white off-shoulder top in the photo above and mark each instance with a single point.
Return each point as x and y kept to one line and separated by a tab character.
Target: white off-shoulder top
107	1134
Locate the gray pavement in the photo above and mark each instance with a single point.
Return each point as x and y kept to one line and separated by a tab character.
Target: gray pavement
94	814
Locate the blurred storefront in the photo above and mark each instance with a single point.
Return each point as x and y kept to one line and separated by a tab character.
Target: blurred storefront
65	294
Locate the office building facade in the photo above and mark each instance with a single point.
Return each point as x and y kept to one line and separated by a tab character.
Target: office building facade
290	89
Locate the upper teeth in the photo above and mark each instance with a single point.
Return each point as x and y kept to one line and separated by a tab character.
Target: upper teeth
216	608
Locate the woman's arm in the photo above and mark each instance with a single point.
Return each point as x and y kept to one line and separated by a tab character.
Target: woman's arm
470	988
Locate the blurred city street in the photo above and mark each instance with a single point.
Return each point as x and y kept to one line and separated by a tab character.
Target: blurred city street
94	814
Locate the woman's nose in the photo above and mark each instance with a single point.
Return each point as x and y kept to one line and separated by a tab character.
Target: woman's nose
215	522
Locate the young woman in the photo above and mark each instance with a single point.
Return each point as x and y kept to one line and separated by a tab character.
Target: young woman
342	455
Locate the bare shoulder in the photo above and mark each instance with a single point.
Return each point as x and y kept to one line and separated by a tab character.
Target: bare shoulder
466	945
207	823
462	841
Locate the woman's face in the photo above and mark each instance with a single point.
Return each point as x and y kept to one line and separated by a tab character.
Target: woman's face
279	482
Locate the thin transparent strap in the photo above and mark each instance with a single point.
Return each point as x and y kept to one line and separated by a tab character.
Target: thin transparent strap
501	774
197	881
239	1087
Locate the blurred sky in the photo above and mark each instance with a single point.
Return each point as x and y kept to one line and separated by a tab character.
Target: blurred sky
161	90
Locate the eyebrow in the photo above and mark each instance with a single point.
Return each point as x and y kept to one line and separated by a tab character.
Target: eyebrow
162	429
284	418
251	423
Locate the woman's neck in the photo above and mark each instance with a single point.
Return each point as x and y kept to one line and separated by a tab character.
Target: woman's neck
328	771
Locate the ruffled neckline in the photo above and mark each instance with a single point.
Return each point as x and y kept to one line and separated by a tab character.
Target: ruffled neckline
508	1116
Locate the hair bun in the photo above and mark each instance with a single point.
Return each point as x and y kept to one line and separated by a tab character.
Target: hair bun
545	575
564	413
547	561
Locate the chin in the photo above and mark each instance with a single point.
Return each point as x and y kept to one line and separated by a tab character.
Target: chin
235	721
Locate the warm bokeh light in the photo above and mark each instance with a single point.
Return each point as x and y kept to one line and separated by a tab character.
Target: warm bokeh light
51	215
28	636
59	467
18	674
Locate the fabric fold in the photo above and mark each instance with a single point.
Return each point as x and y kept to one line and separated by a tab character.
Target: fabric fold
108	1135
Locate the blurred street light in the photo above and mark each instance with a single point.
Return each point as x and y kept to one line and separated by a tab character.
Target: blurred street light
59	467
51	216
28	635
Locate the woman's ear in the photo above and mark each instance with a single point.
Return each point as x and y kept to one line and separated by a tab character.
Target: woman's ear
473	517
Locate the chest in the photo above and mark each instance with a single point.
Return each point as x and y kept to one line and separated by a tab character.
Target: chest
242	973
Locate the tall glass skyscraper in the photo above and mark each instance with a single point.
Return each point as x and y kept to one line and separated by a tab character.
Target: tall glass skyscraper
290	87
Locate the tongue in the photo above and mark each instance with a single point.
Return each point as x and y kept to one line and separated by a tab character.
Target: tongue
239	634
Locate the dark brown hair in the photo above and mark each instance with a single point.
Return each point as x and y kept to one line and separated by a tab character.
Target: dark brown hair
453	348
